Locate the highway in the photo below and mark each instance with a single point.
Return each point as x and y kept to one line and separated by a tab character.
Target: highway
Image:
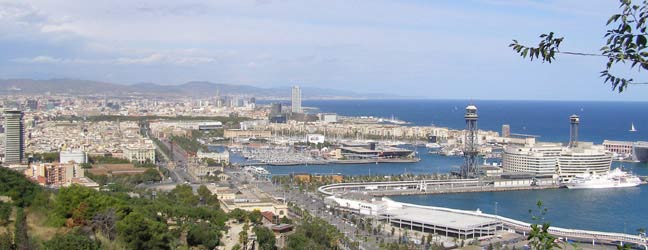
179	173
314	204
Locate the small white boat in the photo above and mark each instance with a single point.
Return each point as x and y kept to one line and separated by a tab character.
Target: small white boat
613	179
632	128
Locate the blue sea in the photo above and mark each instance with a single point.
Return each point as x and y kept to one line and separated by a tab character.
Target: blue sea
618	210
547	119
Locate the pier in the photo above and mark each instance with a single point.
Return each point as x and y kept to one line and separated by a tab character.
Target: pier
349	197
426	187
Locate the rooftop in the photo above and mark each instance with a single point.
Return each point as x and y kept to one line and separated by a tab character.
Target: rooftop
463	221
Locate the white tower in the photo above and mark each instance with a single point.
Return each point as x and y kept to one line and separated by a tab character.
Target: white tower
296	99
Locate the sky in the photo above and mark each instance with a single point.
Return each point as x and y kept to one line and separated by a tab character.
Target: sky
445	49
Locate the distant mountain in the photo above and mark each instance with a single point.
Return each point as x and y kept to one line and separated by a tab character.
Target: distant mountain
195	88
30	86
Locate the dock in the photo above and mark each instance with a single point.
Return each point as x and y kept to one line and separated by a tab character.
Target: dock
419	187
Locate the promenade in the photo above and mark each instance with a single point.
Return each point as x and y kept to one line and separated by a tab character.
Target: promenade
425	187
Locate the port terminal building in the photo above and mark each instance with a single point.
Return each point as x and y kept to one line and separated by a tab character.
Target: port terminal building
462	224
419	218
353	151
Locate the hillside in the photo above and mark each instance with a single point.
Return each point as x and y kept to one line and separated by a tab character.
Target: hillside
194	88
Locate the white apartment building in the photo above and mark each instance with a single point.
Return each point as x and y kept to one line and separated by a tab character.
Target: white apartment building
223	157
140	153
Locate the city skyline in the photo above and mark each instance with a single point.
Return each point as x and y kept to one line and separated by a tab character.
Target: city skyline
406	48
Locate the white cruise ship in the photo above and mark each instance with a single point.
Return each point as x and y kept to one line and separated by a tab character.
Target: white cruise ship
614	179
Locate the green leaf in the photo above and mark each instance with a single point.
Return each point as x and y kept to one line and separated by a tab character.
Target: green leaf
613	18
641	41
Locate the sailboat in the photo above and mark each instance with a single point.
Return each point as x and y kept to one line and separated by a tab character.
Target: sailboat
632	128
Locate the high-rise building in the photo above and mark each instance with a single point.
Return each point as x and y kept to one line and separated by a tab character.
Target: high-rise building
14	137
275	109
506	130
296	99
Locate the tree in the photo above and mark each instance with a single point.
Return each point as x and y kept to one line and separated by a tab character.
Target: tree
150	174
70	241
207	197
203	234
314	233
106	223
539	237
286	220
140	232
184	194
80	204
243	235
265	237
255	217
626	42
18	187
238	214
297	241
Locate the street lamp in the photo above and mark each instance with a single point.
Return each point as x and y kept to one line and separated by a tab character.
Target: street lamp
496	216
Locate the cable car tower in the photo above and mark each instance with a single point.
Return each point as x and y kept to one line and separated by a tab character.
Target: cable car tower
469	169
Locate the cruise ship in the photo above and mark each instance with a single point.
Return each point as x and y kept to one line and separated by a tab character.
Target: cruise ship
614	179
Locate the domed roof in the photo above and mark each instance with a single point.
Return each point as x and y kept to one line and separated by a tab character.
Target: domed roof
471	107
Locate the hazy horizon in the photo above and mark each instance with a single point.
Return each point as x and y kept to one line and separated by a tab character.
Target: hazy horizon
410	48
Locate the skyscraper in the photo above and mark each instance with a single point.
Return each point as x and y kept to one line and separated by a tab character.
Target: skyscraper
296	99
14	137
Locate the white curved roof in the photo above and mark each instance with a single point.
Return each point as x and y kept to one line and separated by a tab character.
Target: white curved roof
471	107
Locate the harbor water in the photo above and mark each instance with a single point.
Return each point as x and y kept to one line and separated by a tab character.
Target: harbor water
611	210
614	210
429	164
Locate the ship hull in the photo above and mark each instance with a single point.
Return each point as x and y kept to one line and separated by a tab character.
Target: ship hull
602	186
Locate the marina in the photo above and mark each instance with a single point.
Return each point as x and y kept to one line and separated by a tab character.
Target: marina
292	156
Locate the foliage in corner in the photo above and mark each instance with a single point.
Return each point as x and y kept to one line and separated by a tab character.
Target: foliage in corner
539	237
626	43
